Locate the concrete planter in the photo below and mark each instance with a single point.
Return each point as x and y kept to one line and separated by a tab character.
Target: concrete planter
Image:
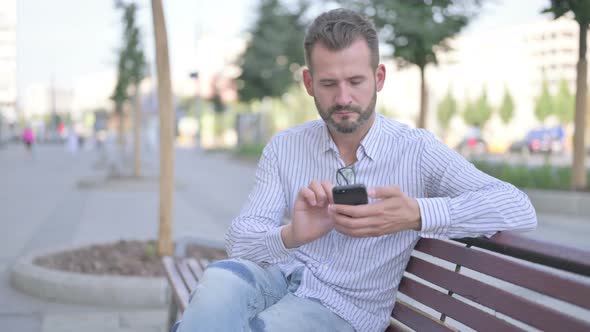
76	288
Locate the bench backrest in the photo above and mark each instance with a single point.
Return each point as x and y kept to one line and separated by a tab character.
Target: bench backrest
493	285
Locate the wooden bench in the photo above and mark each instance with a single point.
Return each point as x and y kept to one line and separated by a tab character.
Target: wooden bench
506	283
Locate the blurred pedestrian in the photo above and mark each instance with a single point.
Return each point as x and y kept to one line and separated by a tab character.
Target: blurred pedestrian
28	138
73	141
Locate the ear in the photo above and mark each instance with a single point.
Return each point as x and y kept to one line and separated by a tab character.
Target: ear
380	75
308	81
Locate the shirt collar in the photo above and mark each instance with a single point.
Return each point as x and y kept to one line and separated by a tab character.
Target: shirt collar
369	144
327	141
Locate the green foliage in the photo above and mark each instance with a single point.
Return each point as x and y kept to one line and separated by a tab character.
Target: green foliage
524	176
417	29
150	250
565	103
507	107
446	110
479	112
580	8
250	150
297	106
544	103
274	52
131	64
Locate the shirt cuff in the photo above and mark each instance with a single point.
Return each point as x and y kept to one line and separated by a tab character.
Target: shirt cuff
435	215
276	247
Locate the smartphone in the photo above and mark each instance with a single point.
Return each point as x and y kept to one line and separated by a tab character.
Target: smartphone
353	194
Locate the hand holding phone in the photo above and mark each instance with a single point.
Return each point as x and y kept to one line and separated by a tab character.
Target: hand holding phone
353	194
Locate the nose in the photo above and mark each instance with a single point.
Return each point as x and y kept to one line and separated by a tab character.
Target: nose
343	96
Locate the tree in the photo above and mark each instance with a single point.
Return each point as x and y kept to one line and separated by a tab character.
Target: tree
564	103
446	110
273	52
478	113
544	103
507	107
165	243
581	12
417	30
119	97
131	71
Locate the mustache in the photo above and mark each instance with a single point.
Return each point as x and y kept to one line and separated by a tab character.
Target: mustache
349	108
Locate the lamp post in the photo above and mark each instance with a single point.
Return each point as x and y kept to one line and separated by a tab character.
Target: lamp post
195	76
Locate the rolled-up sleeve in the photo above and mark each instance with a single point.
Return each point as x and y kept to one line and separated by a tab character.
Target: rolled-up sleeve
462	201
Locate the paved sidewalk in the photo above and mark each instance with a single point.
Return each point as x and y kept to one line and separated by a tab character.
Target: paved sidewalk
43	208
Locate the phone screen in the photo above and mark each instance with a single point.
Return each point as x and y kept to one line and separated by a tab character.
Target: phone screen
354	194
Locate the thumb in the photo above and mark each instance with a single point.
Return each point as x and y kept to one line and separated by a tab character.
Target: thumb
384	192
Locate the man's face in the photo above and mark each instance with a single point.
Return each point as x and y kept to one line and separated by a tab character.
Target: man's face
344	85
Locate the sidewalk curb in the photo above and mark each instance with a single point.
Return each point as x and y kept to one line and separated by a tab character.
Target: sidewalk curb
76	288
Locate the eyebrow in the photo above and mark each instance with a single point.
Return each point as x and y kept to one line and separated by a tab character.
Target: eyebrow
330	80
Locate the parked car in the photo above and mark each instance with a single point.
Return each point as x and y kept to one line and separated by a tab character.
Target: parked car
541	140
472	146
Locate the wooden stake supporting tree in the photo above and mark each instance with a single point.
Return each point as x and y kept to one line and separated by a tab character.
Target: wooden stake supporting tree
165	244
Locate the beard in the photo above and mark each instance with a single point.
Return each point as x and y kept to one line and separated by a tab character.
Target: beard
347	125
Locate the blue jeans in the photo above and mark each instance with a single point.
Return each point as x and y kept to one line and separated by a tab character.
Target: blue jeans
238	295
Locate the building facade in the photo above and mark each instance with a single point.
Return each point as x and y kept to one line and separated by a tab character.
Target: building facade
8	89
516	59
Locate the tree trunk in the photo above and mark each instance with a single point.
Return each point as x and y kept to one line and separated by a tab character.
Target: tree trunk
137	132
423	100
165	244
579	162
119	110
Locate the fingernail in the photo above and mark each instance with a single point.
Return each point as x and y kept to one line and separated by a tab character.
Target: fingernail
371	191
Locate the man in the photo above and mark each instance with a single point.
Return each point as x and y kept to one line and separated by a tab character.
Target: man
337	267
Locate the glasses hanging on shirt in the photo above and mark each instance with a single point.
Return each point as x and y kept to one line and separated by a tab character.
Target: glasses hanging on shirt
346	176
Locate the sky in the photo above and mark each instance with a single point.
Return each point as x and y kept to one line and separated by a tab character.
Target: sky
68	41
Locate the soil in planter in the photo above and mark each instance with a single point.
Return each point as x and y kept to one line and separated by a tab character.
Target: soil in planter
124	258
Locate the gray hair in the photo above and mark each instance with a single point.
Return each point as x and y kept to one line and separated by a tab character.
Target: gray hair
339	28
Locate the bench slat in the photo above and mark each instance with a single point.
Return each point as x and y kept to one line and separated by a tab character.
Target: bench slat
454	308
416	319
530	277
492	297
552	254
187	275
178	286
195	268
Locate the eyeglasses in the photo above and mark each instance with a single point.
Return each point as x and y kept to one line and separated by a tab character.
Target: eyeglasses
346	175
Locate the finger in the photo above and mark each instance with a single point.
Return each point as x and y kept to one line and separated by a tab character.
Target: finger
357	231
384	192
355	211
308	196
328	186
363	227
351	223
319	192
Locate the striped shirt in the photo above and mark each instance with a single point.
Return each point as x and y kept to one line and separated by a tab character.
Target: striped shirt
357	278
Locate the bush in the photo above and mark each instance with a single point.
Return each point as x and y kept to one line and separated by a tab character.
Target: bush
524	176
250	150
